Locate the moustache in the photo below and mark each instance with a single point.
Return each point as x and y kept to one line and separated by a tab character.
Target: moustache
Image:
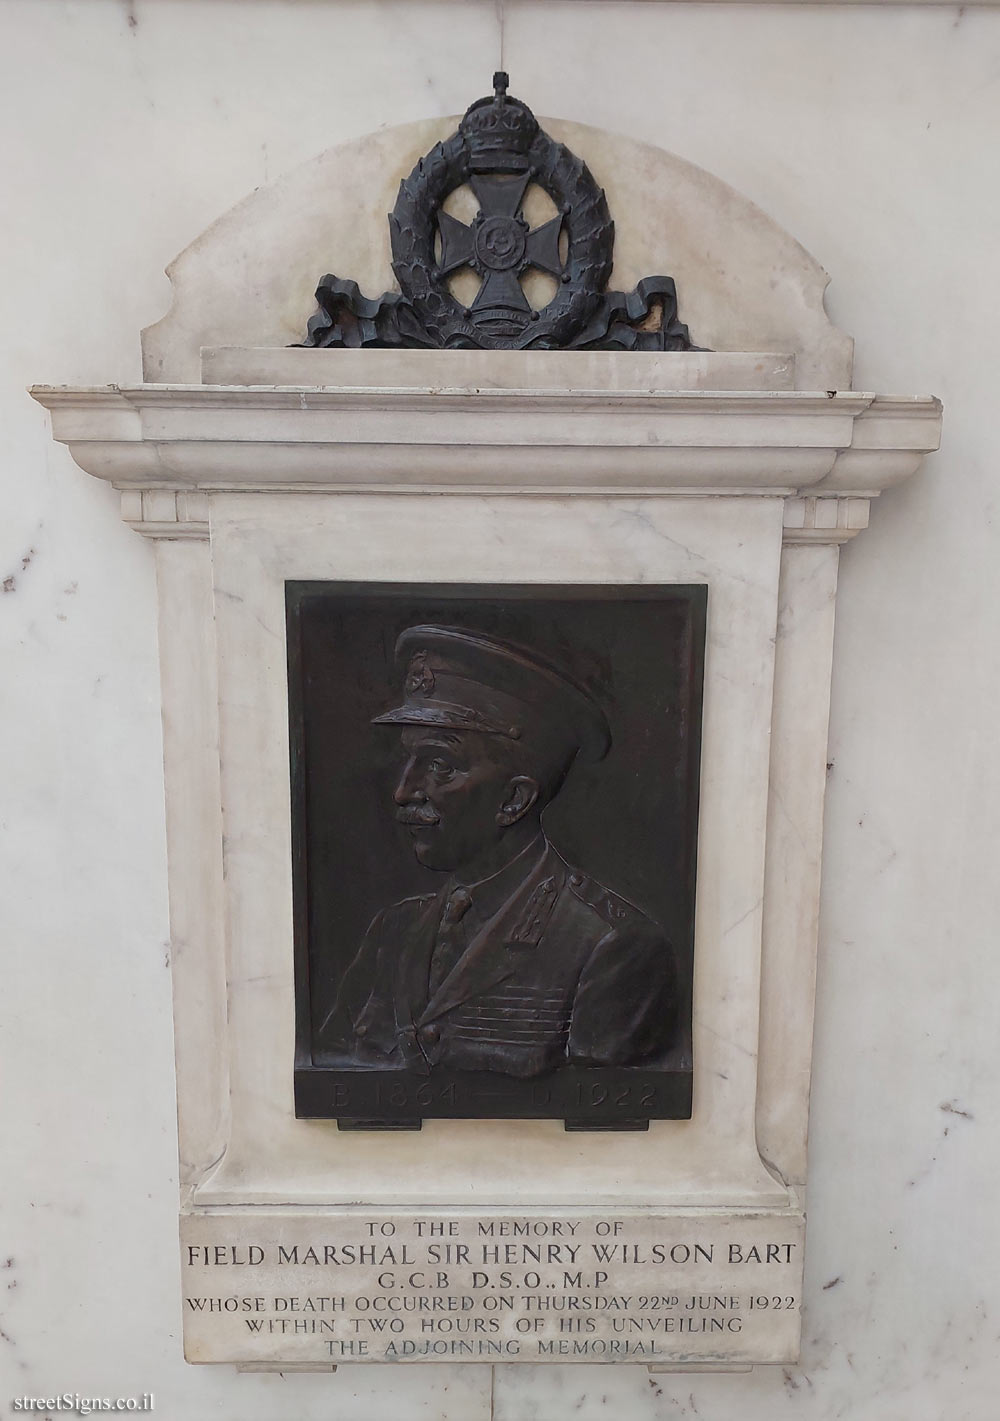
425	817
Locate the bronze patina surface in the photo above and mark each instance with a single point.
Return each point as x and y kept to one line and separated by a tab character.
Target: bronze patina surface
547	815
500	152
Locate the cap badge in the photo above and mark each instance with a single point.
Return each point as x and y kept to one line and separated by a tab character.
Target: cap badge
419	676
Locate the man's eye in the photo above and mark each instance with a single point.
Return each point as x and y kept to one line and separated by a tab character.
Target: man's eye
441	767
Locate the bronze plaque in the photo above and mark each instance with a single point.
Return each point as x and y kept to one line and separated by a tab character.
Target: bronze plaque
494	821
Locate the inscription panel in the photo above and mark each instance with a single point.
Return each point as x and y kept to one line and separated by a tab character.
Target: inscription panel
313	1289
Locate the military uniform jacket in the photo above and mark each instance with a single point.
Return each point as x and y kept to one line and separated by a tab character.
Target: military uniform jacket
552	968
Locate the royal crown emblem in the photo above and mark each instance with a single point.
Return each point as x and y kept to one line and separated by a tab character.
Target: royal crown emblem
499	130
500	152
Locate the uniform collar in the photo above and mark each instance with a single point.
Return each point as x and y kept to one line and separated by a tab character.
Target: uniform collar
489	894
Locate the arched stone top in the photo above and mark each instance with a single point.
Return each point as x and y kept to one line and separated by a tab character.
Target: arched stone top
743	283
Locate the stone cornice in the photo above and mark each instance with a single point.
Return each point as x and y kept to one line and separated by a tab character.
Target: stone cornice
270	438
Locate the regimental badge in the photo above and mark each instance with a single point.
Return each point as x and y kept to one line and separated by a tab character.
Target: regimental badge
500	152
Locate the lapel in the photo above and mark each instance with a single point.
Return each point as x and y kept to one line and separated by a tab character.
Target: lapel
488	959
414	969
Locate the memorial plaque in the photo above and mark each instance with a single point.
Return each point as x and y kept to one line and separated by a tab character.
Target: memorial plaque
485	512
494	821
685	1287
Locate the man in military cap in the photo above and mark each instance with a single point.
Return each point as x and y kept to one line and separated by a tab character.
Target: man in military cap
519	963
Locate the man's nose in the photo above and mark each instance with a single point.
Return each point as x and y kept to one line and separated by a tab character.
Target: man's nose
409	789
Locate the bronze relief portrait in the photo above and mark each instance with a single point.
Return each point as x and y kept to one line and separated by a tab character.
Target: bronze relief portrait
494	827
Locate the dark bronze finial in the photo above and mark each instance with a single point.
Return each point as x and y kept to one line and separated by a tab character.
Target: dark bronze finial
500	83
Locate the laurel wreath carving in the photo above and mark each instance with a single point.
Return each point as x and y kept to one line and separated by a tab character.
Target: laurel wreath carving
588	225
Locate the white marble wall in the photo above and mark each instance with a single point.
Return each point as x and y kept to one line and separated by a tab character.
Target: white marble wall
867	131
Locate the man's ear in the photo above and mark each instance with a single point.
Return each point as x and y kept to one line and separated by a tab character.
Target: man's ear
520	794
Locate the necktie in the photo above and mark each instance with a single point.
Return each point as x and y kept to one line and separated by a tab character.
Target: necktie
450	941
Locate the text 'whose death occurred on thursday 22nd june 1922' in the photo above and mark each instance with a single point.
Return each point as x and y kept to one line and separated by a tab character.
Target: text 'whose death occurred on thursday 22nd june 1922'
475	1288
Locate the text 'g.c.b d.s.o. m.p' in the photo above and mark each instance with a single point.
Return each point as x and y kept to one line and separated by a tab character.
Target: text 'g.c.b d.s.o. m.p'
499	151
